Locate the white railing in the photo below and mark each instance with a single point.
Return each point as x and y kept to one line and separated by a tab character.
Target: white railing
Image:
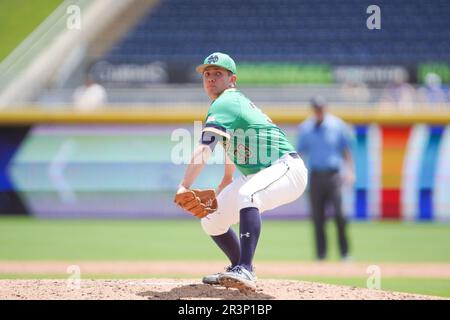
161	95
36	42
35	62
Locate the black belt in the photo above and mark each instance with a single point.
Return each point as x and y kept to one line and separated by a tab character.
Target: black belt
294	155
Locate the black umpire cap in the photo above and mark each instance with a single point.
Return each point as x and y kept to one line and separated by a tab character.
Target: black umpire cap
318	102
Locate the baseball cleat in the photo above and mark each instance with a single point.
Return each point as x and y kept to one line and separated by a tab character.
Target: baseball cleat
213	279
239	278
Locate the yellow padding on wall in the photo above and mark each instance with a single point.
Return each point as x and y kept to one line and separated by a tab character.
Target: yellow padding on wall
186	114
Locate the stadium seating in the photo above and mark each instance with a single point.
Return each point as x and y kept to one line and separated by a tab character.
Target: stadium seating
290	30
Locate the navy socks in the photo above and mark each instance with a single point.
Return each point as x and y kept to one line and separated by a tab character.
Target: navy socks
229	243
249	229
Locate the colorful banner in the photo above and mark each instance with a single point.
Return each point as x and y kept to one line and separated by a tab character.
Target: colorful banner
126	171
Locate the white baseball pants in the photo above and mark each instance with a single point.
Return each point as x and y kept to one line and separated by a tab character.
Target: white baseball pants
283	182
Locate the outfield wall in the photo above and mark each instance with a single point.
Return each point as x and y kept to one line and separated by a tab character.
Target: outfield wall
119	164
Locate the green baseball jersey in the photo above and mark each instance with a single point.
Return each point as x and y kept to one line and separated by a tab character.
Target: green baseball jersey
252	141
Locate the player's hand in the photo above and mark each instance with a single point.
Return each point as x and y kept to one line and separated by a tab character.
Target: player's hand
198	202
182	189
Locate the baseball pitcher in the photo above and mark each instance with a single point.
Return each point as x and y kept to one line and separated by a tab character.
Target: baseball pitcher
273	174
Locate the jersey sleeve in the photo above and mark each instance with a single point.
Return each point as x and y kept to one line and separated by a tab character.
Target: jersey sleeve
222	115
210	139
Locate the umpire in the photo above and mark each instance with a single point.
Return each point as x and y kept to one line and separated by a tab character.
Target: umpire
325	141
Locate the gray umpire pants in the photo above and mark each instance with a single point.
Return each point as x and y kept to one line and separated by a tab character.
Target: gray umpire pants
325	190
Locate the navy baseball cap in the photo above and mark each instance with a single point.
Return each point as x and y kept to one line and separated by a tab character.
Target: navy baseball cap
218	59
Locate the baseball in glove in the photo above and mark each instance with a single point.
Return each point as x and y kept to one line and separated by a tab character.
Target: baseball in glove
198	202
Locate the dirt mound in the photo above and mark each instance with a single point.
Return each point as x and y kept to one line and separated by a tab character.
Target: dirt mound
187	289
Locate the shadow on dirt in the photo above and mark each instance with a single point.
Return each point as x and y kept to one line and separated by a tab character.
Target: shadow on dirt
203	291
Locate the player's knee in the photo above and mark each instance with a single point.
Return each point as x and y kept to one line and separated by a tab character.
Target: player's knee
212	228
247	198
301	178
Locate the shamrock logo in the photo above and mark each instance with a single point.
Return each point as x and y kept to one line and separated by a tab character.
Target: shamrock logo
213	58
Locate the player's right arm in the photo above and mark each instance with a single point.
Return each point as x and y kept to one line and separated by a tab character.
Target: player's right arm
210	137
221	117
227	175
199	158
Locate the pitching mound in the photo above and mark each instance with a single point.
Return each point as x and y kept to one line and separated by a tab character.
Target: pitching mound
187	289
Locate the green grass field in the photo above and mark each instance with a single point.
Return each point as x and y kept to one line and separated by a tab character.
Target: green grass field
19	18
34	239
132	240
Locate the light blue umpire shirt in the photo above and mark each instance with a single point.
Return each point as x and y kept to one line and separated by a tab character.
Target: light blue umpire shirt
323	144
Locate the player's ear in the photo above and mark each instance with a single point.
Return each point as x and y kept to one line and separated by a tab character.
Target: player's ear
233	78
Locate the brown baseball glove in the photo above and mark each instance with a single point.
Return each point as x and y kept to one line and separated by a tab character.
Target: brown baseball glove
198	202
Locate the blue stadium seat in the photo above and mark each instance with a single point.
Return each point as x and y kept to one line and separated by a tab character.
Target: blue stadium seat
299	30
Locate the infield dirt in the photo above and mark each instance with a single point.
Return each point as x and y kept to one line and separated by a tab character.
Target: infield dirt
188	289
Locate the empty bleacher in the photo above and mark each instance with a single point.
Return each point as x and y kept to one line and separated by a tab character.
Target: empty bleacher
311	31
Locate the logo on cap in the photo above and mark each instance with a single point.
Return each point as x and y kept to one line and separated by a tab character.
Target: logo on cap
213	58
